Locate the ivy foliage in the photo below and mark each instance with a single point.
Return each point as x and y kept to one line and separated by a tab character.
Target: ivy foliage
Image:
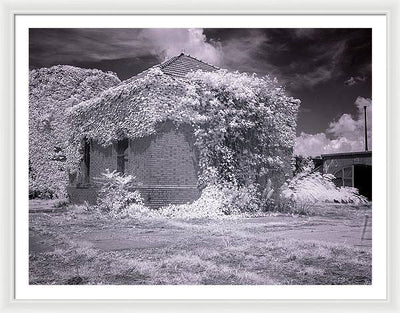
51	91
244	125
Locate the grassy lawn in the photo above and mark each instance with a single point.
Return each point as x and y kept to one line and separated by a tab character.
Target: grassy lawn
74	247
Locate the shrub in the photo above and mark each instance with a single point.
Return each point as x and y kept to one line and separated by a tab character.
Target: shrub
309	188
217	201
117	192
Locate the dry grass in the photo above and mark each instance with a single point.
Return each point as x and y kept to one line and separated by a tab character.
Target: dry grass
78	248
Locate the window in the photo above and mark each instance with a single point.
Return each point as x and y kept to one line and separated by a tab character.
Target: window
344	177
86	160
122	145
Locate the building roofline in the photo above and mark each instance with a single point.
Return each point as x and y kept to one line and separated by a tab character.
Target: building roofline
342	154
168	62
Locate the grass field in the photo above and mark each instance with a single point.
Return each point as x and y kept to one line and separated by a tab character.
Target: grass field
72	247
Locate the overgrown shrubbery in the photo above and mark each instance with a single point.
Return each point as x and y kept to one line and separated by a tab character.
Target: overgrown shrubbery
217	201
119	197
117	193
244	125
51	92
307	188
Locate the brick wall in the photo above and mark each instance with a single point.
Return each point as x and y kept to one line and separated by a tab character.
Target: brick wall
165	166
158	196
167	158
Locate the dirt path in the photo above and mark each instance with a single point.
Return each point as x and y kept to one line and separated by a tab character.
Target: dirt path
341	230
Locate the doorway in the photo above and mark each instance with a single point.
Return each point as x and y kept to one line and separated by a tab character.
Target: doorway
363	179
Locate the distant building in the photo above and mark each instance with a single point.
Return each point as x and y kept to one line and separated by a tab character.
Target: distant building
353	169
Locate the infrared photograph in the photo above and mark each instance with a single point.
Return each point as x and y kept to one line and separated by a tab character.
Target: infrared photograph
207	156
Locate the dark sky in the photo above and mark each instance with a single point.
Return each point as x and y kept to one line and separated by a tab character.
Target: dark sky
327	69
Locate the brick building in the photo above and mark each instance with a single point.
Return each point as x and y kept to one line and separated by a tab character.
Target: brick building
164	164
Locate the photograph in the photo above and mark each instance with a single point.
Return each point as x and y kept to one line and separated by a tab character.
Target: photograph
200	156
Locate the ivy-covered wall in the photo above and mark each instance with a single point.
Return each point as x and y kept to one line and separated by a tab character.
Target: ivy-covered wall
242	126
51	92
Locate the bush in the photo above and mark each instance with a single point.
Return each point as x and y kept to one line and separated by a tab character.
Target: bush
117	192
310	188
217	201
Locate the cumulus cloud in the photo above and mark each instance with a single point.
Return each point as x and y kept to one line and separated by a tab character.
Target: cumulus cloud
170	42
343	135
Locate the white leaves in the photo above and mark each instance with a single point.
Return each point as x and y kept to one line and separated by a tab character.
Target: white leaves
242	122
117	192
314	187
52	92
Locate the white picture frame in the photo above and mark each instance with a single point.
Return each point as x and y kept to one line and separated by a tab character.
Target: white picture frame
8	217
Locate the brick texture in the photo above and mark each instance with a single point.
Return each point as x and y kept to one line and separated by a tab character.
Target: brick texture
165	166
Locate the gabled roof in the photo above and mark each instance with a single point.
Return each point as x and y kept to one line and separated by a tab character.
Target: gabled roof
182	64
178	66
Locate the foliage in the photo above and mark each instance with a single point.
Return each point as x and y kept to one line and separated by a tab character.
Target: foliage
250	129
51	92
308	188
117	198
303	164
117	192
244	125
217	201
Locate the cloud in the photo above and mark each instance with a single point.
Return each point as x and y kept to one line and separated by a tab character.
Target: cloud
296	64
343	135
63	46
323	67
317	144
167	43
300	58
307	33
312	78
354	80
241	52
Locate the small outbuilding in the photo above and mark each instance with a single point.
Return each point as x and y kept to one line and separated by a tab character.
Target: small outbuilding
352	169
165	163
170	130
